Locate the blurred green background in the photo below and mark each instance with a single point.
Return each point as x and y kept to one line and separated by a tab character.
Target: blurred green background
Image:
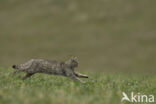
105	35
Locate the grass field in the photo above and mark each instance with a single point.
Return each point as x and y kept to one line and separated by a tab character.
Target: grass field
103	88
114	40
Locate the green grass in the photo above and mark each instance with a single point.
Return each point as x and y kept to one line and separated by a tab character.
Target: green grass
111	38
100	88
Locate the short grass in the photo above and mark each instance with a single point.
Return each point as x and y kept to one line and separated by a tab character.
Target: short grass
107	36
100	88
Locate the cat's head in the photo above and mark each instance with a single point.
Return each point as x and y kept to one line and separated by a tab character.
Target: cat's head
72	62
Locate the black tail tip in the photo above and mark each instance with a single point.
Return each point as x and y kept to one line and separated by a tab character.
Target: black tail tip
14	66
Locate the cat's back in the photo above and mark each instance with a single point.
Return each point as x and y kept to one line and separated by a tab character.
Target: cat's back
45	61
47	66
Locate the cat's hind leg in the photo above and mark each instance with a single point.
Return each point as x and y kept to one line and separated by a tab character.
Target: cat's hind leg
27	75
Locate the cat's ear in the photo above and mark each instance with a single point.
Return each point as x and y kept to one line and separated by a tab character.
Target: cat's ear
74	58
